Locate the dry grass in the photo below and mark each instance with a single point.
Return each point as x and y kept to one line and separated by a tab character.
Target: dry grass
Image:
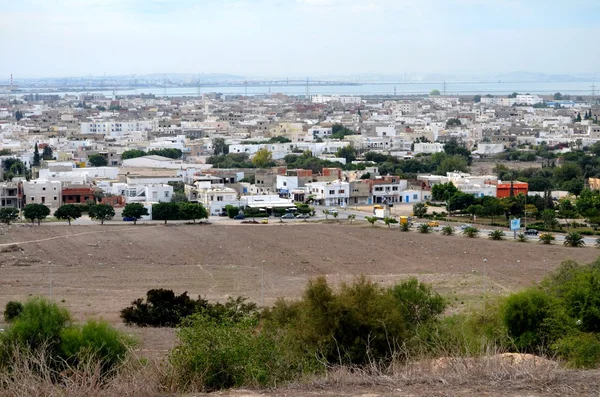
30	376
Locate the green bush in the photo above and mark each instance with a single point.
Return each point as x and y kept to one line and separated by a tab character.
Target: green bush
94	342
496	235
579	350
447	230
533	319
358	323
232	210
12	310
163	308
45	330
214	355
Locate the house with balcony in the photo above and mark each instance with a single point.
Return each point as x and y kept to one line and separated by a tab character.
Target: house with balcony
11	194
387	189
43	191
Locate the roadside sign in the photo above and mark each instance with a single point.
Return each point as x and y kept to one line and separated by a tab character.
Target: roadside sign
515	224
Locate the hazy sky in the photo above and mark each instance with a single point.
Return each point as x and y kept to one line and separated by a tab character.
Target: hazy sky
297	37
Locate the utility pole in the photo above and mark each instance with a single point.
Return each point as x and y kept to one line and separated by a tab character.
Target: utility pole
262	284
444	88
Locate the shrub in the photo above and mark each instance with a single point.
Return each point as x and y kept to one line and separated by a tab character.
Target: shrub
404	227
389	221
165	309
12	310
530	317
360	323
496	235
447	230
521	238
547	238
573	239
215	355
39	325
44	330
580	350
470	232
424	228
162	309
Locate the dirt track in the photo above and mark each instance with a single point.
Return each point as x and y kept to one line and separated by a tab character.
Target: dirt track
98	270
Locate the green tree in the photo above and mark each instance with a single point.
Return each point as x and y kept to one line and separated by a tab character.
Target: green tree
47	153
453	122
97	160
558	96
347	152
447	230
434	93
262	158
18	115
135	211
477	98
8	215
566	210
443	191
36	156
35	212
419	210
424	228
68	212
101	212
165	212
351	218
460	201
131	154
451	164
219	146
192	211
549	218
578	118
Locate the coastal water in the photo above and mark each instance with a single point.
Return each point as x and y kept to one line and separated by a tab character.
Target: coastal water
379	89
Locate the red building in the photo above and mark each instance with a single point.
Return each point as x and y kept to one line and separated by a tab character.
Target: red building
503	189
77	195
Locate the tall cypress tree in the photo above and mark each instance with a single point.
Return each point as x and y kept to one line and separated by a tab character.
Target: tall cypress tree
36	156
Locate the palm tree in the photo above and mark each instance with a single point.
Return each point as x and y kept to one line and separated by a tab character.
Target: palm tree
547	238
351	217
470	232
496	235
404	227
522	238
573	239
371	220
447	230
424	228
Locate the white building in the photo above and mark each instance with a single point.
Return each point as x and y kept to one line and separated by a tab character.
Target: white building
320	132
528	99
155	193
329	193
155	162
116	128
42	191
428	147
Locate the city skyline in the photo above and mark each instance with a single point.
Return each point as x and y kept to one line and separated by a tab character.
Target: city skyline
279	38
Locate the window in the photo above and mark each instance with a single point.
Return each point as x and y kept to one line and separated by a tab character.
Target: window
332	192
284	183
341	191
219	198
55	198
395	188
43	188
415	196
32	198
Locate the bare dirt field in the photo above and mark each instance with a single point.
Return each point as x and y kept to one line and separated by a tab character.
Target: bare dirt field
97	270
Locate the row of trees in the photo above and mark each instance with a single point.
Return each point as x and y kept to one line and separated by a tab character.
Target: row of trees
103	212
170	153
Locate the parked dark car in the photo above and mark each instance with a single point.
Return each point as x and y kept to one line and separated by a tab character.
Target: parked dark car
128	219
239	216
531	232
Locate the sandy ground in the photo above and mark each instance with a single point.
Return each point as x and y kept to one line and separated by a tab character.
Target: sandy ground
95	271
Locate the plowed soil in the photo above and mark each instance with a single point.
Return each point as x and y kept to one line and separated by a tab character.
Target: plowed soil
95	271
